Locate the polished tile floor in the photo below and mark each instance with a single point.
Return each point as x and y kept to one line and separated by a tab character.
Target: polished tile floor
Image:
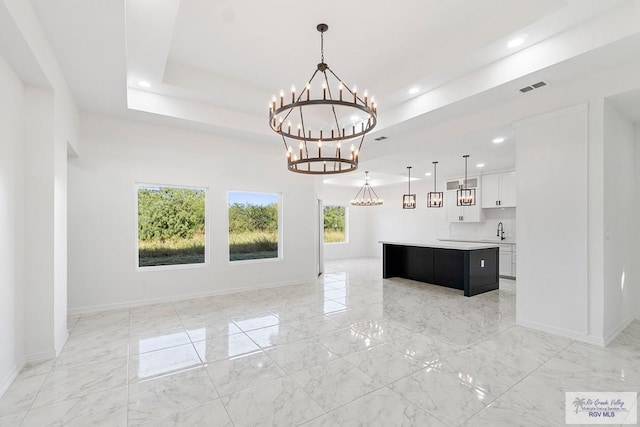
352	349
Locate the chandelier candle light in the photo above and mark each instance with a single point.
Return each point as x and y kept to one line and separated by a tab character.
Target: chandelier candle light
330	122
409	200
434	198
466	196
366	196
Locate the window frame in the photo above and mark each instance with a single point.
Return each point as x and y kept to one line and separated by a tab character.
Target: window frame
346	223
207	228
280	256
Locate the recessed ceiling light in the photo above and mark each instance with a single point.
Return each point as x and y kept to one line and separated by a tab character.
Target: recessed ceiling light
498	140
144	83
427	174
480	165
414	90
515	42
355	119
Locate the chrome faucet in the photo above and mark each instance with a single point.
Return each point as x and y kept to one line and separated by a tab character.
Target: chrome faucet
500	231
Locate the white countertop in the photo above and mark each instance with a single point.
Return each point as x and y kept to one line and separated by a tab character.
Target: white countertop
461	246
472	240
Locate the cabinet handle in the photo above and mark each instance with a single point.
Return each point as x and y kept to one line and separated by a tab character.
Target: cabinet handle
499	202
496	203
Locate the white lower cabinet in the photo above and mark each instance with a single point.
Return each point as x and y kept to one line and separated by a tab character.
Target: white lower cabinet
507	260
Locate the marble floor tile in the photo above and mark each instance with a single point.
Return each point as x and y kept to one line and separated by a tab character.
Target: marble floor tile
335	383
237	374
72	381
104	320
11	420
346	341
384	408
35	369
300	355
464	386
225	347
384	363
276	335
330	346
142	323
422	348
159	397
210	414
20	395
211	328
160	340
97	409
279	402
321	421
256	321
162	362
93	348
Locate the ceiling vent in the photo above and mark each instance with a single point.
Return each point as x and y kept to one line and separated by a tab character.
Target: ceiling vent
532	87
380	138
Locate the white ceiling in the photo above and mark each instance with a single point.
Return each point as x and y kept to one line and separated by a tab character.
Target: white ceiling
214	65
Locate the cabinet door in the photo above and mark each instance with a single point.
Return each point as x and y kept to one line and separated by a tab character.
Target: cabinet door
454	212
491	190
472	213
508	190
505	263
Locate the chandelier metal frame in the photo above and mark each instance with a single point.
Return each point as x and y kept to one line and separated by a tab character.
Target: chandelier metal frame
306	158
435	198
367	192
409	199
466	196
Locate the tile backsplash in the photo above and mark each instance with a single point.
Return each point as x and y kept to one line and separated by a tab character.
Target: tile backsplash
488	228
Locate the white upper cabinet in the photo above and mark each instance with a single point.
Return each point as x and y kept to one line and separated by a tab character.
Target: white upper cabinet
457	213
499	190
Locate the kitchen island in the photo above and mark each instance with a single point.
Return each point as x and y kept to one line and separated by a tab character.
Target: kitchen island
470	267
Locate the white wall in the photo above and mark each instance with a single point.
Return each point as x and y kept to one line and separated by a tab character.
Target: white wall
357	224
620	222
11	225
117	154
551	164
636	230
50	124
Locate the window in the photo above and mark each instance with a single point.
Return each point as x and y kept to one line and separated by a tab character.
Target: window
335	224
171	225
253	226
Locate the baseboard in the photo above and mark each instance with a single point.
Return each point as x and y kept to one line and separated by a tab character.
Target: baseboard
623	325
6	383
138	303
561	332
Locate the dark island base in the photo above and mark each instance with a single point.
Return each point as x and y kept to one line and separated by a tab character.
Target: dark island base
473	271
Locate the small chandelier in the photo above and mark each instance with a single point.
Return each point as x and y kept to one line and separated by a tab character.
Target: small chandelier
434	198
466	196
367	194
409	200
337	117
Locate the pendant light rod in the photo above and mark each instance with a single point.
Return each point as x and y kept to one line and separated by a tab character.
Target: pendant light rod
434	176
409	167
464	184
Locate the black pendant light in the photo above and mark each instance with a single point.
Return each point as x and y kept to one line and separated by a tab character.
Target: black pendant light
466	196
434	198
409	200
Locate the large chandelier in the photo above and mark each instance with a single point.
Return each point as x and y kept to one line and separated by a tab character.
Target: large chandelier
366	196
327	122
